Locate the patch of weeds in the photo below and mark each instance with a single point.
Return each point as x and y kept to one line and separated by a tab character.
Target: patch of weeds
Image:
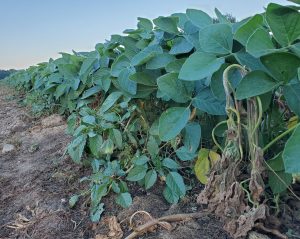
40	103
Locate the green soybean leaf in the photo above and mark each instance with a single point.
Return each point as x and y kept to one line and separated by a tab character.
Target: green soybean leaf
175	182
216	83
277	175
282	65
172	121
137	173
199	18
87	65
98	191
102	78
145	24
200	65
73	200
266	100
144	78
180	46
170	163
292	95
167	24
159	61
115	187
154	128
248	28
79	131
95	144
123	186
92	91
192	136
175	65
143	91
275	181
89	119
146	54
245	59
68	70
95	214
141	160
174	88
142	43
191	34
182	19
276	163
107	147
110	101
150	179
291	152
111	117
170	195
207	102
152	147
260	43
247	89
284	22
125	83
71	122
185	154
124	200
60	90
216	39
117	138
75	149
119	64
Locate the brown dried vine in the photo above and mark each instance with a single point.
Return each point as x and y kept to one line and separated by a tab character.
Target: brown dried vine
236	200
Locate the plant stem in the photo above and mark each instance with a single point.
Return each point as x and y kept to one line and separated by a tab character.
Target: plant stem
230	109
260	111
214	137
279	137
226	82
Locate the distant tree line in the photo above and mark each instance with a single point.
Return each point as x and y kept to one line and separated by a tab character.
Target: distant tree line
5	73
228	16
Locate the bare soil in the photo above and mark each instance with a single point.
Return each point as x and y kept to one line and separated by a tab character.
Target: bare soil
36	181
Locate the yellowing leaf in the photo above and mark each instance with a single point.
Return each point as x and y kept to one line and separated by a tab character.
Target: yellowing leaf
206	159
292	121
202	165
214	157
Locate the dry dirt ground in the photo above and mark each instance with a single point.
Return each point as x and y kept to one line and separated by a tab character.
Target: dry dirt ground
36	180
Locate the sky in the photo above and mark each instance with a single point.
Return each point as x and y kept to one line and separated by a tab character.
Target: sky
32	31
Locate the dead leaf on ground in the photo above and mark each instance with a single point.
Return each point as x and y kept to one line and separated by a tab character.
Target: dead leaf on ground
21	222
115	231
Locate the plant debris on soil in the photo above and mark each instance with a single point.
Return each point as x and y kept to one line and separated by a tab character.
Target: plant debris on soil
36	181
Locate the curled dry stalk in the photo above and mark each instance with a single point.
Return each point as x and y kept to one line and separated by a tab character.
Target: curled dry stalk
227	193
162	221
256	184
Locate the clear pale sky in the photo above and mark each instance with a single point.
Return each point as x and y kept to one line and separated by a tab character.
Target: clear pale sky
32	31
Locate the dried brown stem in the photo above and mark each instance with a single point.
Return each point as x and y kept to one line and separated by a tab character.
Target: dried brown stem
272	231
140	230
